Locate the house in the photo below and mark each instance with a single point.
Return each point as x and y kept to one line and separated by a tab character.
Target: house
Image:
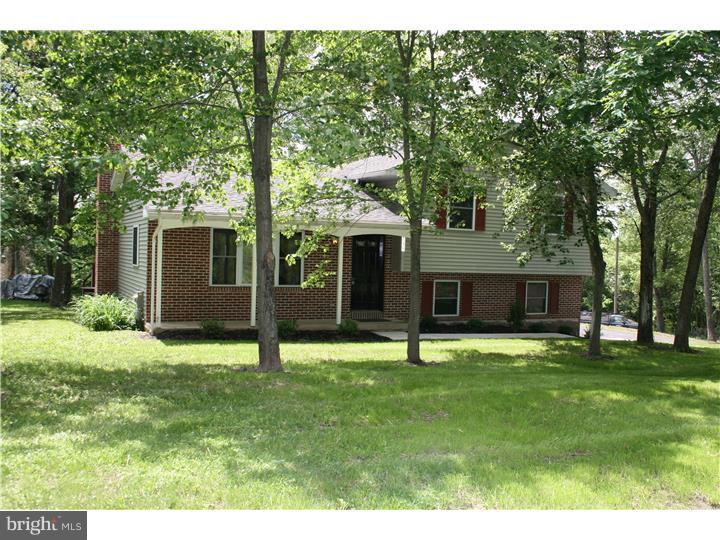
190	271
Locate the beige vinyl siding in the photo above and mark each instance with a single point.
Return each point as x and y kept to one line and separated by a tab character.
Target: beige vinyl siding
132	279
482	251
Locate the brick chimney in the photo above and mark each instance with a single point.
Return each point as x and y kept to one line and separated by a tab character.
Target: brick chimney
107	238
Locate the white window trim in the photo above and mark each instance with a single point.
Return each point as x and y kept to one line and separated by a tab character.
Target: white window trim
457	304
547	297
447	217
238	261
136	248
276	248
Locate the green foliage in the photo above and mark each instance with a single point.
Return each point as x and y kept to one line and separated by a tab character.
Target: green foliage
516	317
212	328
475	325
565	329
428	323
104	312
537	327
287	329
348	328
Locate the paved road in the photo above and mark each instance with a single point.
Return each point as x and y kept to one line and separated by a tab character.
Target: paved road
618	333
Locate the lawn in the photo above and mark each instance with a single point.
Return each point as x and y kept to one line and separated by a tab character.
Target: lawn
117	420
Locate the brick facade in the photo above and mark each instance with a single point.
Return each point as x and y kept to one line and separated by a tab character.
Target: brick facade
107	242
188	296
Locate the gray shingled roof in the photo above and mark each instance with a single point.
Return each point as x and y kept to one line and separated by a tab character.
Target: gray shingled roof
367	211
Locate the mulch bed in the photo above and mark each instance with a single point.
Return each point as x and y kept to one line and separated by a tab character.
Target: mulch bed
252	335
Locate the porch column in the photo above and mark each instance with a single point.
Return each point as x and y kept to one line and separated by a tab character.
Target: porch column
158	301
338	313
253	287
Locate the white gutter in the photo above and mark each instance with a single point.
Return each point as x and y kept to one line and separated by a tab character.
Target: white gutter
338	301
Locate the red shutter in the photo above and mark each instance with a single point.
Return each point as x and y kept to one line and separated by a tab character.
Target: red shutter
480	213
441	221
568	214
426	304
520	292
466	296
554	297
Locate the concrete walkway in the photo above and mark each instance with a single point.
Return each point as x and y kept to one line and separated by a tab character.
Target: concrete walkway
402	336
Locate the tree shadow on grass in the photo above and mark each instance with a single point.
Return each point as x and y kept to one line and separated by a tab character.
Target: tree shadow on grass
369	434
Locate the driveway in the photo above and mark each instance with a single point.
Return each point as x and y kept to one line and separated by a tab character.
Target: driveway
619	333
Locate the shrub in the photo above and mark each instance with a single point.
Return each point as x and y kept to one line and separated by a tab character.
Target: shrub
537	327
588	333
348	328
104	312
428	323
567	330
212	328
287	329
475	325
516	318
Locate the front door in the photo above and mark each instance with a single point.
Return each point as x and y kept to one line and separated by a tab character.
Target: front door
367	273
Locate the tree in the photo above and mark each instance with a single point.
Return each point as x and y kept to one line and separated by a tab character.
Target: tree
406	95
52	138
543	91
682	332
647	105
226	105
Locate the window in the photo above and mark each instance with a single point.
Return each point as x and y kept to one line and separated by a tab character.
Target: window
289	274
555	220
536	297
462	214
135	245
446	298
224	257
230	265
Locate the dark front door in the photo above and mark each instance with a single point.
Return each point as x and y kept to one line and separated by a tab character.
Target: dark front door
367	272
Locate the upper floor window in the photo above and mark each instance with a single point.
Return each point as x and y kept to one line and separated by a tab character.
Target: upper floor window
461	214
536	295
556	218
289	274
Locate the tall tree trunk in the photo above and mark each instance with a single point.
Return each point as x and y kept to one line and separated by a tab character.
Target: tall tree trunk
707	293
268	341
660	291
413	343
598	267
682	330
61	292
647	274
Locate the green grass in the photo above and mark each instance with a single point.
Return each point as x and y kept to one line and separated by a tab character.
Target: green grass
114	420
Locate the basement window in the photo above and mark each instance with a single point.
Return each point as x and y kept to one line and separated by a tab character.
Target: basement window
446	298
536	297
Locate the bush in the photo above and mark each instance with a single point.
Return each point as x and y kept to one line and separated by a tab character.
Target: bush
428	323
567	330
104	312
476	325
537	327
516	318
588	333
287	329
348	328
212	328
